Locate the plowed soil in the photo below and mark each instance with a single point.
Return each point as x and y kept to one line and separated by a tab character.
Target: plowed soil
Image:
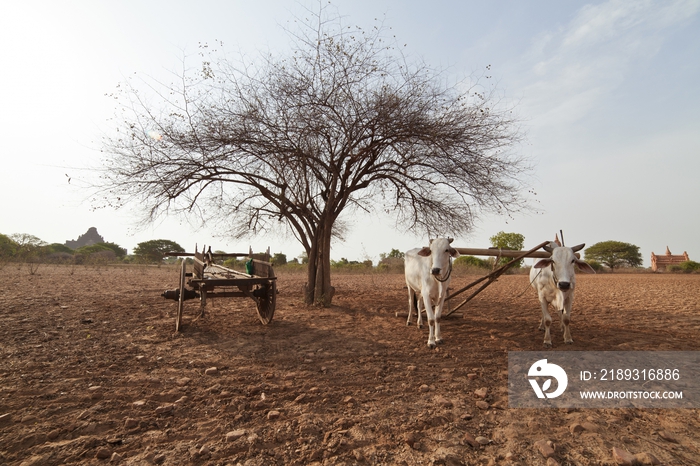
92	372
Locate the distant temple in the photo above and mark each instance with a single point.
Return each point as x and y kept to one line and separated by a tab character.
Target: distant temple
660	262
88	239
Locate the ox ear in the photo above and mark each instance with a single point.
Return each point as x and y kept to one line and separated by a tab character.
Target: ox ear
425	252
454	252
578	248
543	263
584	267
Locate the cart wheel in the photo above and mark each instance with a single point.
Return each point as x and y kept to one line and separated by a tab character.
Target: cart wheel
266	303
181	299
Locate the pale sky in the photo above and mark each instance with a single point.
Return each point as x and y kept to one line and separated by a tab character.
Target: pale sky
609	94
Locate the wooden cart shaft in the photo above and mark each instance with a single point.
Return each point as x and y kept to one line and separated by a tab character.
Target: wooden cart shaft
211	283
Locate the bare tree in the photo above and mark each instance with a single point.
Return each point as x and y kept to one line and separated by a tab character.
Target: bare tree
27	251
342	122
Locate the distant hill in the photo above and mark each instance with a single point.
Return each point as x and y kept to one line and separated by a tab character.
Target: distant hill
89	238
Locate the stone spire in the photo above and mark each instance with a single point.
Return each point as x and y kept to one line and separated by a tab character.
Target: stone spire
89	238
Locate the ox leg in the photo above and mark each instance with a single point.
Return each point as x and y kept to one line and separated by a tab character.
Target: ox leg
438	333
565	320
438	315
547	321
411	301
419	306
431	320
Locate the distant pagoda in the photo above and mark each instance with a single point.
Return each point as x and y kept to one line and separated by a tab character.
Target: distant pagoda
89	238
659	262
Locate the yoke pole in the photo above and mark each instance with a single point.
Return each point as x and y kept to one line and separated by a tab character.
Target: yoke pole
494	275
503	252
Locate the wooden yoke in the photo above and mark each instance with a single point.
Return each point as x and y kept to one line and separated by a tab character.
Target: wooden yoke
499	271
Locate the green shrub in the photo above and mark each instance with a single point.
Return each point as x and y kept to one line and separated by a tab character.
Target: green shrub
233	263
391	265
293	266
689	266
471	261
60	258
101	248
278	259
344	265
597	266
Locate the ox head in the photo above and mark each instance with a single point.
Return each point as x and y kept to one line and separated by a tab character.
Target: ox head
563	263
440	251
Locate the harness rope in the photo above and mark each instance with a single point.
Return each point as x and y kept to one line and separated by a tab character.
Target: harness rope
554	276
449	272
528	287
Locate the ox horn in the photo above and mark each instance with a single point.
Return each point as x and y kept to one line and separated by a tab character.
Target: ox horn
578	247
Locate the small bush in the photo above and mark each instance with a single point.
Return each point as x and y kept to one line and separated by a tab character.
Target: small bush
60	258
391	265
278	259
471	261
293	266
344	265
597	266
102	257
689	266
234	263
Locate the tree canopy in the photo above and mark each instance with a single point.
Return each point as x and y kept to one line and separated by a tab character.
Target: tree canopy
155	250
57	248
8	247
393	254
503	240
26	246
98	247
614	254
343	122
279	259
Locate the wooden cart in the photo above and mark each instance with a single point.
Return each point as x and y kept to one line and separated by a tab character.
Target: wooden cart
211	280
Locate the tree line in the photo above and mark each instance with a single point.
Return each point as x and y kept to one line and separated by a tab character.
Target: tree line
26	248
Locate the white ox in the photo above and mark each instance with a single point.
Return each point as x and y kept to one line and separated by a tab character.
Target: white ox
555	280
428	272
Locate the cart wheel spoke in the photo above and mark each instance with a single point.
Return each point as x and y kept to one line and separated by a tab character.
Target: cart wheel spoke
266	303
181	299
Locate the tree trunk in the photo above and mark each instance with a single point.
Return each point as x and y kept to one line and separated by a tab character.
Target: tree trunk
318	290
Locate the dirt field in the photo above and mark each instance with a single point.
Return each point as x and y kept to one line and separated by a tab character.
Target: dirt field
91	372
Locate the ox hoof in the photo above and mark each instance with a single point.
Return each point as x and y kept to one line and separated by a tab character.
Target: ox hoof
431	345
570	342
547	344
439	342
